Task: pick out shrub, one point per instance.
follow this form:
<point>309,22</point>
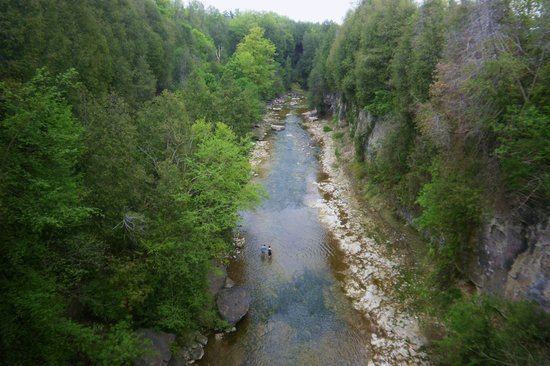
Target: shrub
<point>338,135</point>
<point>451,211</point>
<point>327,129</point>
<point>484,330</point>
<point>524,152</point>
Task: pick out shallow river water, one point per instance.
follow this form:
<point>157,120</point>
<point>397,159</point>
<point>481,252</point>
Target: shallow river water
<point>299,313</point>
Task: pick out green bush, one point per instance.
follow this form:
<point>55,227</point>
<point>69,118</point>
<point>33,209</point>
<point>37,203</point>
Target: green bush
<point>338,135</point>
<point>327,129</point>
<point>485,330</point>
<point>524,152</point>
<point>451,211</point>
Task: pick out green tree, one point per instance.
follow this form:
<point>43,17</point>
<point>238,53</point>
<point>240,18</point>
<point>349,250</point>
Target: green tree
<point>41,197</point>
<point>253,62</point>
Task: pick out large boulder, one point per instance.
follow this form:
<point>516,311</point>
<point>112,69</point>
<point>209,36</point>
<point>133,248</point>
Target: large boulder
<point>158,344</point>
<point>233,304</point>
<point>216,278</point>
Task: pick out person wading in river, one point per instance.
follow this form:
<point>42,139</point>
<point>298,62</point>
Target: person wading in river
<point>269,251</point>
<point>263,250</point>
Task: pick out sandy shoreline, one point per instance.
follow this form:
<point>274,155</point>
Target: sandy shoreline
<point>371,275</point>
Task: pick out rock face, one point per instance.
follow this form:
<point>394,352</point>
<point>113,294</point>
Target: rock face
<point>371,131</point>
<point>216,279</point>
<point>513,249</point>
<point>233,304</point>
<point>514,258</point>
<point>159,343</point>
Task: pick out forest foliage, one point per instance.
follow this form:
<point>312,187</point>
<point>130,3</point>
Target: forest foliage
<point>124,163</point>
<point>462,90</point>
<point>123,156</point>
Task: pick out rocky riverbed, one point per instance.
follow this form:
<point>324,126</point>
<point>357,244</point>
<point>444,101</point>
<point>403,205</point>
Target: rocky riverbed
<point>371,273</point>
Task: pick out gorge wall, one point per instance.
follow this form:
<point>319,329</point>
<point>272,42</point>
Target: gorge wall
<point>512,248</point>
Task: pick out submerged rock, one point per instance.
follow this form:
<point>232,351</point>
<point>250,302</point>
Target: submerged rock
<point>233,304</point>
<point>159,343</point>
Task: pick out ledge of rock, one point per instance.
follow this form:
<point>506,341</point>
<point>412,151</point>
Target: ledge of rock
<point>233,304</point>
<point>277,127</point>
<point>159,344</point>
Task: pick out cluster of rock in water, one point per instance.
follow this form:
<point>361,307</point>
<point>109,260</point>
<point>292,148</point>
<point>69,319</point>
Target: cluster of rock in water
<point>371,275</point>
<point>272,119</point>
<point>161,344</point>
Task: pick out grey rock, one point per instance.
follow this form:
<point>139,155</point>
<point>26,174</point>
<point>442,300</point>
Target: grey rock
<point>229,283</point>
<point>514,257</point>
<point>277,127</point>
<point>202,339</point>
<point>233,304</point>
<point>180,358</point>
<point>159,344</point>
<point>188,355</point>
<point>196,353</point>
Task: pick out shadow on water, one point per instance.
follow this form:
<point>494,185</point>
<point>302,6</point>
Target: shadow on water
<point>299,314</point>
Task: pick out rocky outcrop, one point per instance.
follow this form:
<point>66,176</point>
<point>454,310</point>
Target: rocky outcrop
<point>514,257</point>
<point>336,107</point>
<point>233,303</point>
<point>158,345</point>
<point>370,132</point>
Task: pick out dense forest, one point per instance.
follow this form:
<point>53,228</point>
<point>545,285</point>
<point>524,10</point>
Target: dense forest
<point>446,105</point>
<point>124,161</point>
<point>124,140</point>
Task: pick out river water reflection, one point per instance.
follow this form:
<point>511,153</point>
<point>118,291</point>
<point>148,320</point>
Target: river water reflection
<point>299,314</point>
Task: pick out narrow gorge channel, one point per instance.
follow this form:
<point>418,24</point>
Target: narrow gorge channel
<point>300,312</point>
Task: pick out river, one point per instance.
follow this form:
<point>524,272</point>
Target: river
<point>299,314</point>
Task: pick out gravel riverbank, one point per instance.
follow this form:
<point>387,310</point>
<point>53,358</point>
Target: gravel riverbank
<point>371,274</point>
